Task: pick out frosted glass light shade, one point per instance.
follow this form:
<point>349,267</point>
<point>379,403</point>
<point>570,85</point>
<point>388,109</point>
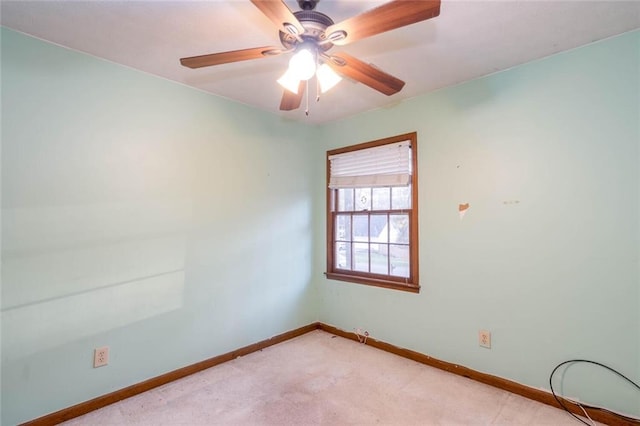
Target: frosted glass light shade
<point>289,81</point>
<point>302,65</point>
<point>327,78</point>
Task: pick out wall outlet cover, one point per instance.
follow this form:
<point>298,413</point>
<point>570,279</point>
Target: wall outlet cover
<point>101,357</point>
<point>484,339</point>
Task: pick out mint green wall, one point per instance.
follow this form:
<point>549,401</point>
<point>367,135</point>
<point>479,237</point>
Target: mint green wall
<point>553,277</point>
<point>165,223</point>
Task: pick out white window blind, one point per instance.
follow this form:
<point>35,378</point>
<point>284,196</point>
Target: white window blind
<point>384,165</point>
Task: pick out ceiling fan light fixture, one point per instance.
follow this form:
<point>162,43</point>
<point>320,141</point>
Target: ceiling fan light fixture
<point>289,81</point>
<point>303,64</point>
<point>327,78</point>
<point>310,34</point>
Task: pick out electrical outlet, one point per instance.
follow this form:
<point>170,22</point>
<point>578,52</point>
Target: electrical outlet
<point>484,339</point>
<point>101,356</point>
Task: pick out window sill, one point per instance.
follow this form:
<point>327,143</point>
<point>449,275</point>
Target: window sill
<point>372,282</point>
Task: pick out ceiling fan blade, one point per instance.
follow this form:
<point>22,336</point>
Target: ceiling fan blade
<point>231,56</point>
<point>389,16</point>
<point>364,73</point>
<point>281,15</point>
<point>290,100</point>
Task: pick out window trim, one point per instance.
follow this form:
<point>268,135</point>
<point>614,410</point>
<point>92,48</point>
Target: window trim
<point>412,283</point>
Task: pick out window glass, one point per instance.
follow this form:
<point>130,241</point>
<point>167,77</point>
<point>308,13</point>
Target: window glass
<point>345,199</point>
<point>399,229</point>
<point>381,198</point>
<point>401,197</point>
<point>363,199</point>
<point>399,256</point>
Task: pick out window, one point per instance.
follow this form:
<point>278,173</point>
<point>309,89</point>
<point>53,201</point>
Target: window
<point>372,213</point>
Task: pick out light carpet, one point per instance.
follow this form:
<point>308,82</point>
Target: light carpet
<point>321,379</point>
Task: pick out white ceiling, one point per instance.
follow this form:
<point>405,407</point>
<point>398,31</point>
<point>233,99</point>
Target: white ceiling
<point>468,40</point>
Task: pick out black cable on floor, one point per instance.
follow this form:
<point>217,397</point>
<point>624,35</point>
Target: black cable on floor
<point>585,405</point>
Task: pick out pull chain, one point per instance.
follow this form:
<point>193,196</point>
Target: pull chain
<point>306,111</point>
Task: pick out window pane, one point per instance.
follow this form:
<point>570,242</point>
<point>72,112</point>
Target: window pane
<point>381,198</point>
<point>361,257</point>
<point>360,228</point>
<point>363,199</point>
<point>378,229</point>
<point>399,260</point>
<point>399,232</point>
<point>379,258</point>
<point>343,256</point>
<point>401,197</point>
<point>345,200</point>
<point>343,227</point>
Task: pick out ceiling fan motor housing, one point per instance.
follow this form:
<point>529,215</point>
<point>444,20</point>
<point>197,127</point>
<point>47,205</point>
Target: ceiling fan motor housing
<point>315,23</point>
<point>307,4</point>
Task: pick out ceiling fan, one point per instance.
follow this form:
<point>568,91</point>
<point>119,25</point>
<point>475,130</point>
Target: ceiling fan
<point>310,34</point>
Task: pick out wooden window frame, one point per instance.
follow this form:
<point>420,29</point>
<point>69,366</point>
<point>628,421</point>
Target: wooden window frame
<point>410,284</point>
